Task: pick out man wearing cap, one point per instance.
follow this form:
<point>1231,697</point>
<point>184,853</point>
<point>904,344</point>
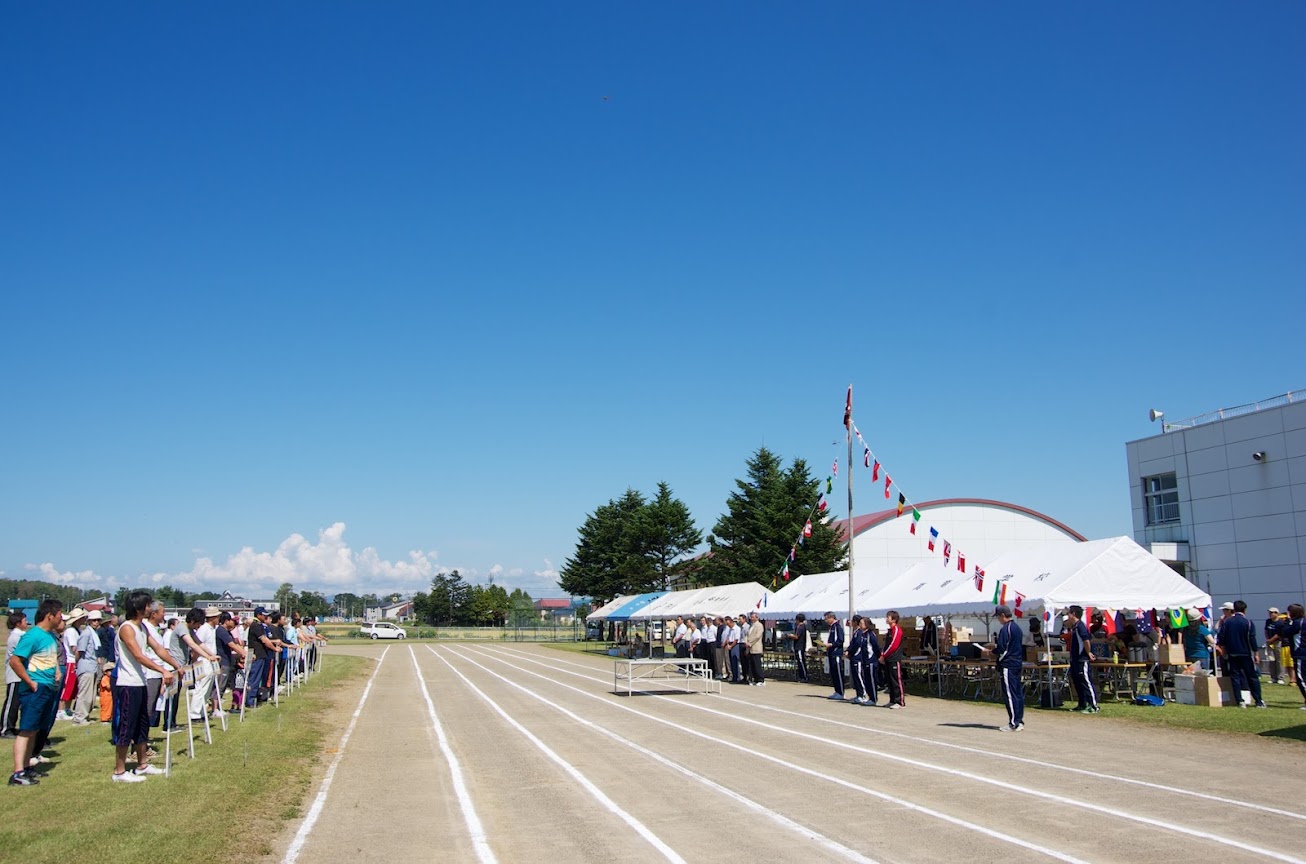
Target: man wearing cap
<point>1237,645</point>
<point>1009,652</point>
<point>88,645</point>
<point>1080,657</point>
<point>261,643</point>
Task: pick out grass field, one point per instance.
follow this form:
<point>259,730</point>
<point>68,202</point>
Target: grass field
<point>1282,719</point>
<point>235,795</point>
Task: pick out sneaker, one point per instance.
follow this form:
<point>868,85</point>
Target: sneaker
<point>1302,708</point>
<point>894,706</point>
<point>81,721</point>
<point>147,770</point>
<point>38,759</point>
<point>1006,728</point>
<point>835,696</point>
<point>128,777</point>
<point>1017,727</point>
<point>1093,711</point>
<point>218,712</point>
<point>21,779</point>
<point>1261,705</point>
<point>761,683</point>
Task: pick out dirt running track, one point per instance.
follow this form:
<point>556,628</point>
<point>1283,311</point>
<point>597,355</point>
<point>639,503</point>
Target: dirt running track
<point>524,754</point>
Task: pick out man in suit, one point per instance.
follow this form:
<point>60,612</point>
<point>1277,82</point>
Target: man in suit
<point>834,654</point>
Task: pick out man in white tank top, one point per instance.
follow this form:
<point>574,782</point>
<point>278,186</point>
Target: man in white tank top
<point>130,696</point>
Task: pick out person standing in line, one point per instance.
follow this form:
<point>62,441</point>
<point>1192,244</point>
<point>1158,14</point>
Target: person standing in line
<point>834,645</point>
<point>1271,650</point>
<point>69,639</point>
<point>695,639</point>
<point>801,641</point>
<point>856,654</point>
<point>1237,645</point>
<point>891,661</point>
<point>88,643</point>
<point>735,642</point>
<point>708,629</point>
<point>745,669</point>
<point>756,633</point>
<point>37,661</point>
<point>1009,652</point>
<point>108,634</point>
<point>719,650</point>
<point>930,637</point>
<point>871,667</point>
<point>203,661</point>
<point>1080,657</point>
<point>17,623</point>
<point>679,639</point>
<point>1292,635</point>
<point>132,704</point>
<point>230,653</point>
<point>207,635</point>
<point>256,673</point>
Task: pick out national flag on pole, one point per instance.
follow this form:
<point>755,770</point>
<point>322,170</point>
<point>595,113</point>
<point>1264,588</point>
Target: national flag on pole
<point>961,562</point>
<point>807,529</point>
<point>834,469</point>
<point>848,410</point>
<point>1020,613</point>
<point>997,591</point>
<point>902,502</point>
<point>866,458</point>
<point>875,470</point>
<point>934,535</point>
<point>887,483</point>
<point>947,552</point>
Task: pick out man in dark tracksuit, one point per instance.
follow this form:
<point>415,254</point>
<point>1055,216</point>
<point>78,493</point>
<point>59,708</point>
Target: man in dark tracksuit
<point>873,671</point>
<point>1080,656</point>
<point>1009,651</point>
<point>800,646</point>
<point>834,654</point>
<point>1292,633</point>
<point>1237,645</point>
<point>857,657</point>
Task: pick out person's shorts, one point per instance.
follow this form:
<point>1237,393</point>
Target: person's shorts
<point>69,683</point>
<point>131,708</point>
<point>36,708</point>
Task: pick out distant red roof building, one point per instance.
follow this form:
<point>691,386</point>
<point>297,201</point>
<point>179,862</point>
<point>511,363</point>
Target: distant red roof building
<point>552,605</point>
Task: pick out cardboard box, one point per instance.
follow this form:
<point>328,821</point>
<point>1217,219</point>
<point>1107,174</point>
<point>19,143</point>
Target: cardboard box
<point>1170,655</point>
<point>1212,692</point>
<point>1031,654</point>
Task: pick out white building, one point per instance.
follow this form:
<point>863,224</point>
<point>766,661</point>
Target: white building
<point>1222,499</point>
<point>979,528</point>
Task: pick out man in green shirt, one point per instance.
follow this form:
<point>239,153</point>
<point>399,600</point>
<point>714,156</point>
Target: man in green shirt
<point>38,662</point>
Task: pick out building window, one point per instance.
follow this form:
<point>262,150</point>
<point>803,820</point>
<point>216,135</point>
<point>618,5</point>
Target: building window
<point>1161,498</point>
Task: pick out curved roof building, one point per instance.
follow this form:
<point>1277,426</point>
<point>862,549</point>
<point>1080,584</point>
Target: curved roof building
<point>979,528</point>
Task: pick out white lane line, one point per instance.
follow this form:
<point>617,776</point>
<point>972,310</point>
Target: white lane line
<point>1189,793</point>
<point>792,766</point>
<point>989,781</point>
<point>761,809</point>
<point>297,844</point>
<point>473,822</point>
<point>666,851</point>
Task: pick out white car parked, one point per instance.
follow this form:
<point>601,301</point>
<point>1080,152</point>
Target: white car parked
<point>383,630</point>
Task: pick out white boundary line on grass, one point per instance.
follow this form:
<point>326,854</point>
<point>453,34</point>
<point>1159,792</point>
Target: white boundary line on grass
<point>640,828</point>
<point>297,845</point>
<point>775,760</point>
<point>956,772</point>
<point>1189,793</point>
<point>785,822</point>
<point>473,822</point>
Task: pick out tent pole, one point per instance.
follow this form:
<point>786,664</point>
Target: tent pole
<point>851,512</point>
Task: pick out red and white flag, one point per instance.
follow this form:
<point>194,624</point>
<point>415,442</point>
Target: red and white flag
<point>887,483</point>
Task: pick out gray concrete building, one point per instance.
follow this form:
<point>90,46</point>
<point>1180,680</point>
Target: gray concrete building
<point>1221,497</point>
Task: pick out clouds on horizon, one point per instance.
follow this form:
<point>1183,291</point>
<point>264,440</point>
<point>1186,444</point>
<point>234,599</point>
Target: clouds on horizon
<point>328,565</point>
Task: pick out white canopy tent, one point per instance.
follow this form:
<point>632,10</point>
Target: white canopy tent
<point>1115,573</point>
<point>800,595</point>
<point>833,596</point>
<point>713,600</point>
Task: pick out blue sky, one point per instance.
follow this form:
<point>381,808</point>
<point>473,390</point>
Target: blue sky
<point>342,294</point>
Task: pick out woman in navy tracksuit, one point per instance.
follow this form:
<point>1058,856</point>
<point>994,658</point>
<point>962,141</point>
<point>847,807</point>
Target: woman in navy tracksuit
<point>872,661</point>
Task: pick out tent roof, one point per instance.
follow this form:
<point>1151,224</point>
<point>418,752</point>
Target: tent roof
<point>712,600</point>
<point>634,605</point>
<point>832,596</point>
<point>1115,573</point>
<point>801,594</point>
<point>611,606</point>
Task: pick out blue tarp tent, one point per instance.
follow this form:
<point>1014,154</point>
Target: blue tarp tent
<point>632,606</point>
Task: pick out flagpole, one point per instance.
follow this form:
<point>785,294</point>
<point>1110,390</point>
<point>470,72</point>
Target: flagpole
<point>851,515</point>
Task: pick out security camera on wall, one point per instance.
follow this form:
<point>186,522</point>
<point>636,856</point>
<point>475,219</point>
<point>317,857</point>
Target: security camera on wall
<point>1259,455</point>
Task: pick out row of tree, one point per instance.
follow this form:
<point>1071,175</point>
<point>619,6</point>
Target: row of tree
<point>630,545</point>
<point>452,601</point>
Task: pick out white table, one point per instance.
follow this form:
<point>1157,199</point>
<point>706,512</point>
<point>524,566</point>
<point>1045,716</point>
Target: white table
<point>681,672</point>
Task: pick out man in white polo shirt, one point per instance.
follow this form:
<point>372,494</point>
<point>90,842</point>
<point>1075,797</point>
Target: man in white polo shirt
<point>680,640</point>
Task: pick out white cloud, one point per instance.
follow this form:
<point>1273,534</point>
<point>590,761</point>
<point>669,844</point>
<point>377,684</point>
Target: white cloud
<point>327,564</point>
<point>47,572</point>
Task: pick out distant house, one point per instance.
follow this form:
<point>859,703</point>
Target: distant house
<point>237,606</point>
<point>559,609</point>
<point>104,604</point>
<point>401,611</point>
<point>372,614</point>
